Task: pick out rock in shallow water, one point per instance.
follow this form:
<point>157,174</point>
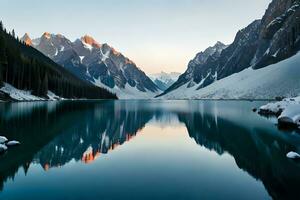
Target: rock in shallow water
<point>293,155</point>
<point>291,115</point>
<point>3,139</point>
<point>3,148</point>
<point>13,143</point>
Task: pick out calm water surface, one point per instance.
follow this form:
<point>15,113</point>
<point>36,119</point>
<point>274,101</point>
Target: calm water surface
<point>145,150</point>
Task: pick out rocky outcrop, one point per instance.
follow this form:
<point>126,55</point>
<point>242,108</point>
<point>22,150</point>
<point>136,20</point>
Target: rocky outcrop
<point>279,33</point>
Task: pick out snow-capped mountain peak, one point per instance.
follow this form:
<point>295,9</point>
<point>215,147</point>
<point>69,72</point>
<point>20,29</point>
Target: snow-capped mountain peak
<point>215,50</point>
<point>26,39</point>
<point>99,64</point>
<point>164,80</point>
<point>263,42</point>
<point>89,40</point>
<point>46,35</point>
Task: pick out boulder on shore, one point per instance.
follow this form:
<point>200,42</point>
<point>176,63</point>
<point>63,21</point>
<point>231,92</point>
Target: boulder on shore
<point>13,143</point>
<point>3,148</point>
<point>293,155</point>
<point>3,139</point>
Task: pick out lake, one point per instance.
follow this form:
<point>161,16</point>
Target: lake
<point>145,150</point>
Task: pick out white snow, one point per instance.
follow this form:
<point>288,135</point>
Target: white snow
<point>53,96</point>
<point>104,56</point>
<point>267,52</point>
<point>3,148</point>
<point>3,139</point>
<point>277,80</point>
<point>289,110</point>
<point>276,53</point>
<point>13,143</point>
<point>81,58</point>
<point>56,52</point>
<point>292,155</point>
<point>22,95</point>
<point>19,95</point>
<point>128,92</point>
<point>62,48</point>
<point>165,77</point>
<point>291,115</point>
<point>276,107</point>
<point>87,46</point>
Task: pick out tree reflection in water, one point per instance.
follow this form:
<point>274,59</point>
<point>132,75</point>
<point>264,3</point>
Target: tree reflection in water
<point>55,133</point>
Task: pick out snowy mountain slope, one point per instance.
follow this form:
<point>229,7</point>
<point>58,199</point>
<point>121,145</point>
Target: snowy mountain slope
<point>97,63</point>
<point>277,80</point>
<point>195,72</point>
<point>164,80</point>
<point>267,41</point>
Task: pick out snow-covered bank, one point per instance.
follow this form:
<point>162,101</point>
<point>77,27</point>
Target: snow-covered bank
<point>288,111</point>
<point>276,108</point>
<point>277,80</point>
<point>21,95</point>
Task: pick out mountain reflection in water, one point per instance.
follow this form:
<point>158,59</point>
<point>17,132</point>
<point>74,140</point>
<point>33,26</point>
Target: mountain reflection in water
<point>54,134</point>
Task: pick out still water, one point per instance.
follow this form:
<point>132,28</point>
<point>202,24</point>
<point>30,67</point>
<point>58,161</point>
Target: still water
<point>145,150</point>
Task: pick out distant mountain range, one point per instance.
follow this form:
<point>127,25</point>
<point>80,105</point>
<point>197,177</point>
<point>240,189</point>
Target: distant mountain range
<point>264,42</point>
<point>99,64</point>
<point>164,80</point>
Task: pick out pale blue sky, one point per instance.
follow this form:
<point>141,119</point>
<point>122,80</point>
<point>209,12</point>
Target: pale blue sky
<point>156,34</point>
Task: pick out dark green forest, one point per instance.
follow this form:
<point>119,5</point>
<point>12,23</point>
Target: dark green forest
<point>27,69</point>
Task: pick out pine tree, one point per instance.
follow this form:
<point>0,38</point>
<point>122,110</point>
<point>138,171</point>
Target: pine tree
<point>3,57</point>
<point>44,86</point>
<point>13,33</point>
<point>24,68</point>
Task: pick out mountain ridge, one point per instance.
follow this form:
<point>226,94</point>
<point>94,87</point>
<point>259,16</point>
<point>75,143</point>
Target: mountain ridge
<point>100,64</point>
<point>25,69</point>
<point>164,80</point>
<point>264,42</point>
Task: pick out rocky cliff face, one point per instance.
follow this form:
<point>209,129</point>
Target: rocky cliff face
<point>98,63</point>
<point>279,33</point>
<point>263,42</point>
<point>193,75</point>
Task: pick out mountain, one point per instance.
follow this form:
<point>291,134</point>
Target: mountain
<point>276,80</point>
<point>100,64</point>
<point>195,72</point>
<point>264,42</point>
<point>26,74</point>
<point>27,40</point>
<point>164,80</point>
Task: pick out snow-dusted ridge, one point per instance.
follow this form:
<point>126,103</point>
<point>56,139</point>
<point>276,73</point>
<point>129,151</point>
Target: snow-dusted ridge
<point>277,80</point>
<point>99,64</point>
<point>164,80</point>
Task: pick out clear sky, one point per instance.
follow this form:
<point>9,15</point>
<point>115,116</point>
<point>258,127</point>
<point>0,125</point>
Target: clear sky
<point>156,34</point>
